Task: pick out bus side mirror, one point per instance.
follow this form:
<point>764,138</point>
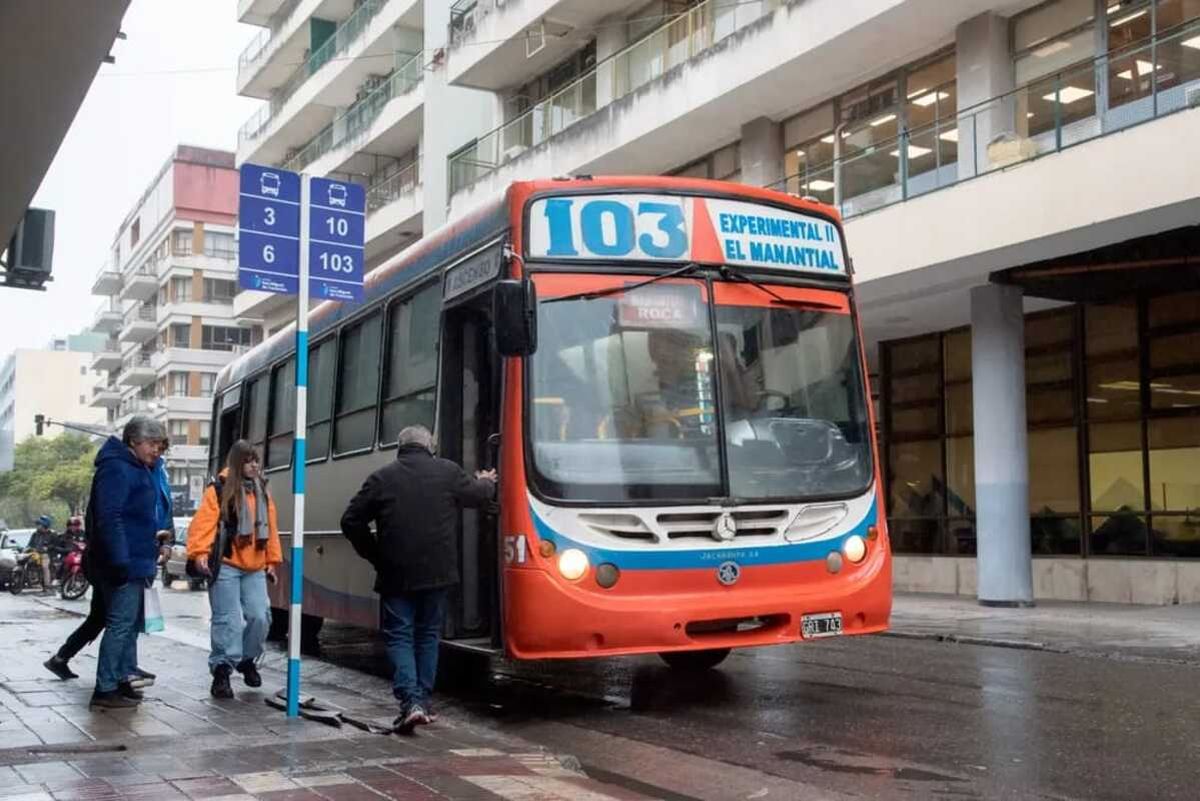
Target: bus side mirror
<point>514,310</point>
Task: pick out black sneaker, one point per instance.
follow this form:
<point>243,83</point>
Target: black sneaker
<point>112,700</point>
<point>220,683</point>
<point>409,719</point>
<point>59,667</point>
<point>127,690</point>
<point>250,673</point>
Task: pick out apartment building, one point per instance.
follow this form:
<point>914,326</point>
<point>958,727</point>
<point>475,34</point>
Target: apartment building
<point>167,317</point>
<point>1018,183</point>
<point>55,381</point>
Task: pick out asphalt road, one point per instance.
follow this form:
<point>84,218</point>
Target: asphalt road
<point>878,717</point>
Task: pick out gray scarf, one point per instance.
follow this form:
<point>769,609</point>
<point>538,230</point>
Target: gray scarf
<point>256,527</point>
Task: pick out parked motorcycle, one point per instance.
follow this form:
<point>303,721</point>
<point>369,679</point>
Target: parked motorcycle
<point>73,583</point>
<point>27,573</point>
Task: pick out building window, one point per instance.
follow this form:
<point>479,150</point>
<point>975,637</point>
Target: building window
<point>207,382</point>
<point>220,245</point>
<point>181,335</point>
<point>205,432</point>
<point>181,290</point>
<point>135,233</point>
<point>218,290</point>
<point>216,337</point>
<point>412,355</point>
<point>178,431</point>
<point>181,243</point>
<point>720,165</point>
<point>283,415</point>
<point>358,386</point>
<point>177,384</point>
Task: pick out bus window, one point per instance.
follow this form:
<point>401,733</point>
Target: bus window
<point>320,399</point>
<point>358,386</point>
<point>408,394</point>
<point>283,415</point>
<point>256,411</point>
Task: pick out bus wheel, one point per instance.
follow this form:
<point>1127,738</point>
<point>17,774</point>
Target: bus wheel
<point>695,660</point>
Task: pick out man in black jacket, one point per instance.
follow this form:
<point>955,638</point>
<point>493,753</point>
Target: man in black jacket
<point>414,504</point>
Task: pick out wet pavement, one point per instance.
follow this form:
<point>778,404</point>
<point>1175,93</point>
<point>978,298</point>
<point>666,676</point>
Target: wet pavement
<point>928,714</point>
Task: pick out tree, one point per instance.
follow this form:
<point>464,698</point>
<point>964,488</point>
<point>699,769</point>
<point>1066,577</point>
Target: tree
<point>49,476</point>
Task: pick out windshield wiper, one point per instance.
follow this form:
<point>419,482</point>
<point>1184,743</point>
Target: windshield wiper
<point>729,275</point>
<point>686,269</point>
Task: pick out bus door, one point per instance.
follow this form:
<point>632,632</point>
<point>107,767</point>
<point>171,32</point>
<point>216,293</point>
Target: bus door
<point>467,418</point>
<point>227,427</point>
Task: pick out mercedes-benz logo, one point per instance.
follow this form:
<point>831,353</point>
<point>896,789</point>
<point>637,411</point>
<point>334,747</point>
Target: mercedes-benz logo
<point>725,529</point>
<point>728,573</point>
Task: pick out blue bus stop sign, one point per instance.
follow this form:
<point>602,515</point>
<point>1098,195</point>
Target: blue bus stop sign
<point>269,229</point>
<point>336,233</point>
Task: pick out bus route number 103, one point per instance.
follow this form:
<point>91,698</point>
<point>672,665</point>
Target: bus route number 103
<point>336,262</point>
<point>613,229</point>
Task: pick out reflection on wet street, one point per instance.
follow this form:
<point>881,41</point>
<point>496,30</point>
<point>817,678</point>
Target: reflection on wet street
<point>872,717</point>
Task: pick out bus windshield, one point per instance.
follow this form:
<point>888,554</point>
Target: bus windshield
<point>624,401</point>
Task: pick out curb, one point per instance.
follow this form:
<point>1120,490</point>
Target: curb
<point>967,639</point>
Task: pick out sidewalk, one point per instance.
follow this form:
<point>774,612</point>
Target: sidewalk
<point>182,744</point>
<point>1122,631</point>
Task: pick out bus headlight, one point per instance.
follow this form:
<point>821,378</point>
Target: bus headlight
<point>855,548</point>
<point>572,564</point>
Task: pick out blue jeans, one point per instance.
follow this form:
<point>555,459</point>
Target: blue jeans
<point>122,624</point>
<point>241,616</point>
<point>412,626</point>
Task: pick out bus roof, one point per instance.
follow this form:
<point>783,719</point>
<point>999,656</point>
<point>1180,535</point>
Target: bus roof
<point>475,230</point>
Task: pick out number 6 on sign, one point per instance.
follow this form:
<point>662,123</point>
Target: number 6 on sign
<point>269,254</point>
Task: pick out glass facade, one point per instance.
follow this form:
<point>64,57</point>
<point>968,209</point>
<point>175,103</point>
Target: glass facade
<point>1113,409</point>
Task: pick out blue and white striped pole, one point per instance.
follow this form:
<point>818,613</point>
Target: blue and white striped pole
<point>298,459</point>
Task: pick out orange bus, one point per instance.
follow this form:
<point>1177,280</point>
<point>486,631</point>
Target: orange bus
<point>668,374</point>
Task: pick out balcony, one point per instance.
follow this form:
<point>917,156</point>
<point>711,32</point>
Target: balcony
<point>176,406</point>
<point>140,284</point>
<point>108,357</point>
<point>107,282</point>
<point>373,123</point>
<point>184,359</point>
<point>137,371</point>
<point>363,45</point>
<point>394,207</point>
<point>257,12</point>
<point>109,318</point>
<point>495,44</point>
<point>674,44</point>
<point>106,396</point>
<point>141,324</point>
<point>283,41</point>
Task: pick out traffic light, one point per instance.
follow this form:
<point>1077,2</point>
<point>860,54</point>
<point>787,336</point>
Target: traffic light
<point>39,422</point>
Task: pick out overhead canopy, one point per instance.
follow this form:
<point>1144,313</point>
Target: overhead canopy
<point>1166,262</point>
<point>49,54</point>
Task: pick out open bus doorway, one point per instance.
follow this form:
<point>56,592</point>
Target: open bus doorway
<point>468,416</point>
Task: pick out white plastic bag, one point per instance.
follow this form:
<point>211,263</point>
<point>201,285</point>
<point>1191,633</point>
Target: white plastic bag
<point>152,611</point>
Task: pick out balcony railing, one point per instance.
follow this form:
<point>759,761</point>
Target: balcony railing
<point>403,182</point>
<point>183,247</point>
<point>1051,114</point>
<point>138,360</point>
<point>346,34</point>
<point>268,40</point>
<point>352,124</point>
<point>682,38</point>
<point>145,314</point>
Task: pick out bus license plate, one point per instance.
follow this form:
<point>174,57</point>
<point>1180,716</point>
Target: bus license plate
<point>825,624</point>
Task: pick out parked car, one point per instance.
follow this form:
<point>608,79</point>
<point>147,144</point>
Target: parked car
<point>175,567</point>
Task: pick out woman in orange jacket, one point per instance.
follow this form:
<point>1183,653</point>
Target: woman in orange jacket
<point>234,539</point>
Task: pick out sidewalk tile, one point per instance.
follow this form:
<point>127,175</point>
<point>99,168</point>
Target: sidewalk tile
<point>263,782</point>
<point>210,787</point>
<point>36,795</point>
<point>322,779</point>
<point>41,772</point>
<point>352,792</point>
<point>297,794</point>
<point>9,777</point>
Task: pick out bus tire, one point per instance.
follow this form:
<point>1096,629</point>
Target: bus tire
<point>694,660</point>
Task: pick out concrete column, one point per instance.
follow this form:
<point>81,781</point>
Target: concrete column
<point>453,117</point>
<point>611,38</point>
<point>984,69</point>
<point>1001,446</point>
<point>761,152</point>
